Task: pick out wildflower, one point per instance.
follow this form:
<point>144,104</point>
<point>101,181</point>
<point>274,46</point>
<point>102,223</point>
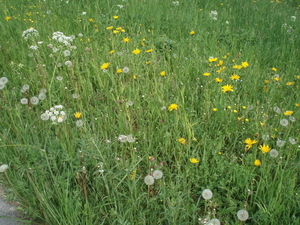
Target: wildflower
<point>214,222</point>
<point>105,66</point>
<point>45,116</point>
<point>3,168</point>
<point>257,162</point>
<point>273,153</point>
<point>109,28</point>
<point>192,32</point>
<point>79,123</point>
<point>181,140</point>
<point>245,64</point>
<point>77,115</point>
<point>126,40</point>
<point>115,17</point>
<point>274,69</point>
<point>157,174</point>
<point>264,148</point>
<point>112,51</point>
<point>206,74</point>
<point>242,215</point>
<point>130,103</point>
<point>122,138</point>
<point>136,51</point>
<point>219,80</point>
<point>125,69</point>
<point>119,71</point>
<point>130,138</point>
<point>207,194</point>
<point>292,119</point>
<point>149,180</point>
<point>212,59</point>
<point>8,18</point>
<point>237,67</point>
<point>3,80</point>
<point>194,160</point>
<point>277,78</point>
<point>42,96</point>
<point>290,83</point>
<point>288,112</point>
<point>173,107</point>
<point>227,88</point>
<point>280,143</point>
<point>68,63</point>
<point>249,142</point>
<point>2,86</point>
<point>59,78</point>
<point>277,109</point>
<point>163,73</point>
<point>132,176</point>
<point>66,53</point>
<point>24,101</point>
<point>34,100</point>
<point>284,122</point>
<point>292,140</point>
<point>215,109</point>
<point>235,77</point>
<point>91,20</point>
<point>150,50</point>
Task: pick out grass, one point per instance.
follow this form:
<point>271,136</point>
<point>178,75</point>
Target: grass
<point>136,68</point>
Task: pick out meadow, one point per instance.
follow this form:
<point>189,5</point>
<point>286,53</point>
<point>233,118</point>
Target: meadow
<point>151,112</point>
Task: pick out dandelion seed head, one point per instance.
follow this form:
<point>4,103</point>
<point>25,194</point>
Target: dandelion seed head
<point>284,122</point>
<point>79,123</point>
<point>34,100</point>
<point>280,143</point>
<point>149,180</point>
<point>3,168</point>
<point>207,194</point>
<point>24,101</point>
<point>157,174</point>
<point>242,215</point>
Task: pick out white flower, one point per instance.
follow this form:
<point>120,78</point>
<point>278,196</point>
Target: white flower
<point>83,13</point>
<point>130,103</point>
<point>273,153</point>
<point>41,96</point>
<point>54,49</point>
<point>26,87</point>
<point>149,180</point>
<point>176,3</point>
<point>3,168</point>
<point>280,143</point>
<point>122,138</point>
<point>3,80</point>
<point>157,174</point>
<point>130,138</point>
<point>277,109</point>
<point>34,100</point>
<point>24,101</point>
<point>214,222</point>
<point>45,116</point>
<point>2,86</point>
<point>53,118</point>
<point>292,140</point>
<point>31,32</point>
<point>34,47</point>
<point>60,119</point>
<point>265,137</point>
<point>120,6</point>
<point>68,63</point>
<point>43,90</point>
<point>80,35</point>
<point>74,95</point>
<point>292,119</point>
<point>125,69</point>
<point>79,123</point>
<point>293,18</point>
<point>59,78</point>
<point>207,194</point>
<point>242,215</point>
<point>66,53</point>
<point>58,107</point>
<point>284,122</point>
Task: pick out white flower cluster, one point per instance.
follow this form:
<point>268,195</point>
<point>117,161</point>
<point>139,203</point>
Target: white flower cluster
<point>55,114</point>
<point>126,138</point>
<point>33,100</point>
<point>31,32</point>
<point>214,15</point>
<point>3,81</point>
<point>149,179</point>
<point>176,3</point>
<point>61,38</point>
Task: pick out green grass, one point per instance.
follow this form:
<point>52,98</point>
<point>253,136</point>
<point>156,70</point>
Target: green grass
<point>67,174</point>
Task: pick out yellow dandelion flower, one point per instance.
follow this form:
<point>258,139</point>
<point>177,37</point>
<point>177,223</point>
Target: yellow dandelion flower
<point>212,59</point>
<point>227,88</point>
<point>194,160</point>
<point>274,69</point>
<point>112,51</point>
<point>245,64</point>
<point>277,78</point>
<point>215,109</point>
<point>105,66</point>
<point>77,115</point>
<point>119,71</point>
<point>8,18</point>
<point>136,51</point>
<point>297,104</point>
<point>163,73</point>
<point>116,31</point>
<point>173,107</point>
<point>192,32</point>
<point>290,83</point>
<point>237,67</point>
<point>257,162</point>
<point>288,112</point>
<point>264,148</point>
<point>249,143</point>
<point>150,50</point>
<point>206,74</point>
<point>126,40</point>
<point>134,77</point>
<point>109,28</point>
<point>91,20</point>
<point>181,140</point>
<point>219,80</point>
<point>115,17</point>
<point>235,77</point>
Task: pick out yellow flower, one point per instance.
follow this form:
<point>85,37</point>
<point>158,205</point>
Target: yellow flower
<point>297,104</point>
<point>172,107</point>
<point>181,140</point>
<point>219,80</point>
<point>288,112</point>
<point>249,142</point>
<point>245,64</point>
<point>235,77</point>
<point>132,176</point>
<point>192,32</point>
<point>136,51</point>
<point>77,115</point>
<point>7,18</point>
<point>115,17</point>
<point>274,69</point>
<point>194,160</point>
<point>267,81</point>
<point>257,162</point>
<point>237,67</point>
<point>112,51</point>
<point>134,77</point>
<point>105,66</point>
<point>247,120</point>
<point>277,78</point>
<point>212,59</point>
<point>126,40</point>
<point>91,20</point>
<point>163,73</point>
<point>290,83</point>
<point>215,109</point>
<point>221,62</point>
<point>109,28</point>
<point>119,71</point>
<point>206,74</point>
<point>264,148</point>
<point>227,88</point>
<point>116,31</point>
<point>150,50</point>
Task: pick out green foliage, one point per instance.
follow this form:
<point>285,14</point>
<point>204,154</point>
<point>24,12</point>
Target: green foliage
<point>77,170</point>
